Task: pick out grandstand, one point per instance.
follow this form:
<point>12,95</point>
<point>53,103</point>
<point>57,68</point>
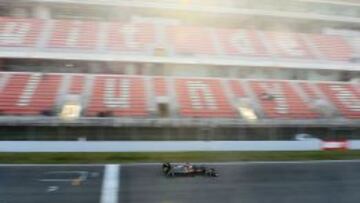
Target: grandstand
<point>179,69</point>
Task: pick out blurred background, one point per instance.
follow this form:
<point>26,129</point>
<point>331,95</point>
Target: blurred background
<point>179,69</point>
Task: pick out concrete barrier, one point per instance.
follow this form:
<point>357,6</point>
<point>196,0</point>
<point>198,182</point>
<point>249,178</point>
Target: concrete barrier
<point>157,146</point>
<point>354,144</point>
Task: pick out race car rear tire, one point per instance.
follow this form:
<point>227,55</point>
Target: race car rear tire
<point>211,172</point>
<point>170,174</point>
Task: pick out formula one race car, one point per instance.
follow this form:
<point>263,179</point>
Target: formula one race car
<point>187,169</point>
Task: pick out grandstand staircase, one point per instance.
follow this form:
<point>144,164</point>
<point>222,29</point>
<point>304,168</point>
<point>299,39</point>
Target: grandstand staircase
<point>46,34</point>
<point>216,42</point>
<point>150,97</point>
<point>73,89</point>
<point>64,86</point>
<point>4,77</point>
<point>160,100</point>
<point>229,96</point>
<point>160,47</point>
<point>174,105</point>
<point>253,97</point>
<point>167,93</point>
<point>102,37</point>
<point>87,92</point>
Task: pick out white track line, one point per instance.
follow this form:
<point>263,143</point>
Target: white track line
<point>110,185</point>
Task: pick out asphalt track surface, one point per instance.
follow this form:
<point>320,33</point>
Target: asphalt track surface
<point>294,182</point>
<point>50,184</point>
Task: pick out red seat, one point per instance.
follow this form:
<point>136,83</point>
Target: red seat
<point>131,38</point>
<point>288,45</point>
<point>236,88</point>
<point>202,98</point>
<point>74,34</point>
<point>148,38</point>
<point>344,96</point>
<point>77,84</point>
<point>332,47</point>
<point>279,100</point>
<point>42,97</point>
<point>120,95</point>
<point>188,40</point>
<point>240,42</point>
<point>18,32</point>
<point>125,96</point>
<point>160,86</point>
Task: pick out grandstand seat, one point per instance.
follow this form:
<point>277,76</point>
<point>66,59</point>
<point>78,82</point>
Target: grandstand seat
<point>29,94</point>
<point>131,38</point>
<point>344,96</point>
<point>308,90</point>
<point>17,32</point>
<point>332,47</point>
<point>147,38</point>
<point>114,95</point>
<point>74,34</point>
<point>120,95</point>
<point>77,83</point>
<point>160,86</point>
<point>202,98</point>
<point>188,40</point>
<point>240,42</point>
<point>236,88</point>
<point>288,45</point>
<point>279,100</point>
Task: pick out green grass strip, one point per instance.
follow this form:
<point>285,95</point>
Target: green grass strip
<point>87,158</point>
